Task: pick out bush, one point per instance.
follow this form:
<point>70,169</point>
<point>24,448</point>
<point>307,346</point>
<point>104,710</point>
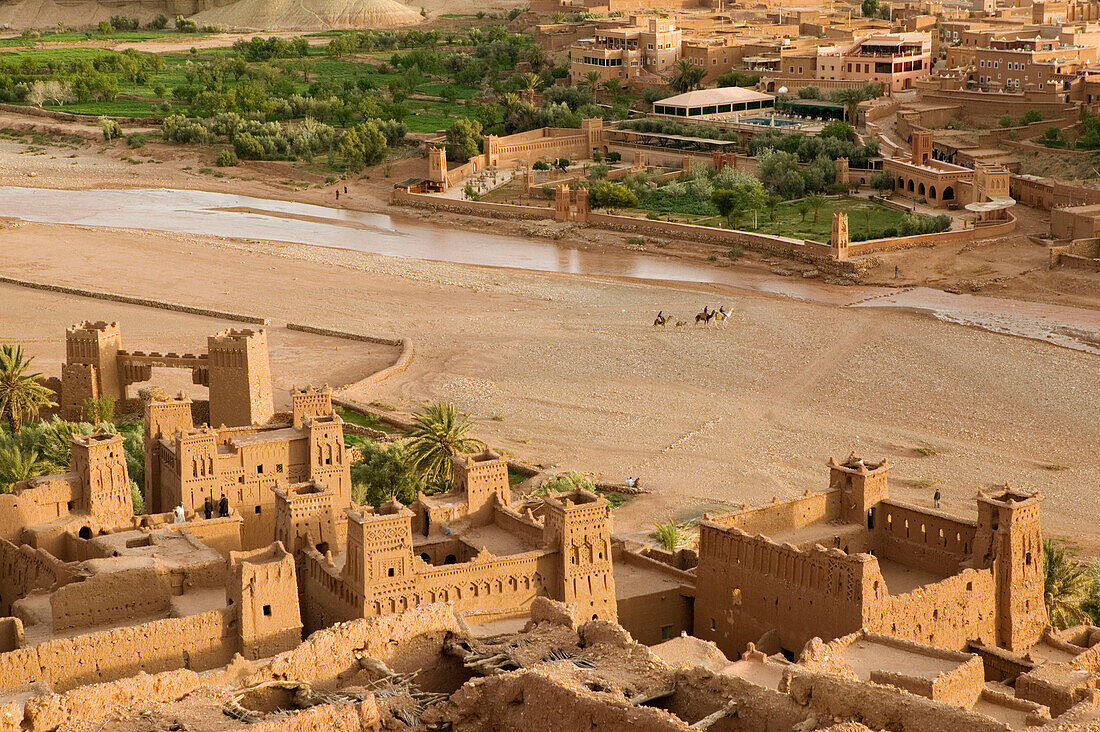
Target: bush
<point>614,157</point>
<point>247,146</point>
<point>611,195</point>
<point>136,140</point>
<point>158,23</point>
<point>227,158</point>
<point>540,165</point>
<point>177,128</point>
<point>913,224</point>
<point>110,127</point>
<point>1031,116</point>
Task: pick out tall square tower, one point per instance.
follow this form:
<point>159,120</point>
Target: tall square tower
<point>239,378</point>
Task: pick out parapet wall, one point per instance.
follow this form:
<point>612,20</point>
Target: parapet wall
<point>198,642</point>
<point>947,614</point>
<point>110,597</point>
<point>529,531</point>
<point>921,538</point>
<point>24,569</point>
<point>814,508</point>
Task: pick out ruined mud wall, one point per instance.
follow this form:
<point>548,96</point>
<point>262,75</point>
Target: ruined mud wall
<point>946,614</point>
<point>881,707</point>
<point>922,539</point>
<point>140,592</point>
<point>660,612</point>
<point>523,700</point>
<point>749,585</point>
<point>406,642</point>
<point>23,569</point>
<point>784,516</point>
<point>699,693</point>
<point>199,642</point>
<point>528,530</point>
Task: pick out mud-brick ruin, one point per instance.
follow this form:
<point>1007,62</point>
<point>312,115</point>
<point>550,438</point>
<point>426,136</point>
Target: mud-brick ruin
<point>486,609</point>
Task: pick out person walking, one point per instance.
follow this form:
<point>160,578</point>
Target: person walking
<point>936,499</point>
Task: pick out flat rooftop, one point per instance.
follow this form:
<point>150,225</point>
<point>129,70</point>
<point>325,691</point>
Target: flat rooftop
<point>494,539</point>
<point>632,580</point>
<point>867,655</point>
<point>901,579</point>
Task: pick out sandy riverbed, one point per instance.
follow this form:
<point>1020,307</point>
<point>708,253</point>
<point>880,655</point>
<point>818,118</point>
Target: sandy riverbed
<point>568,371</point>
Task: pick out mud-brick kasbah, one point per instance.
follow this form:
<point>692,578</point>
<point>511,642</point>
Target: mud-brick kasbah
<point>296,608</point>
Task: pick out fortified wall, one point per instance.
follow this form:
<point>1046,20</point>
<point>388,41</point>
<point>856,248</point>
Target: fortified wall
<point>850,559</point>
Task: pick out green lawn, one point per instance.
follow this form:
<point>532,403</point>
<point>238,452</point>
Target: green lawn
<point>115,108</point>
<point>364,420</point>
<point>863,216</point>
<point>435,89</point>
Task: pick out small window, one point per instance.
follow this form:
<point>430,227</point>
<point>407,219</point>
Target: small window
<point>666,632</point>
<point>267,610</point>
<point>713,625</point>
<point>259,469</point>
<point>278,467</point>
<point>390,571</point>
<point>257,509</point>
<point>240,479</point>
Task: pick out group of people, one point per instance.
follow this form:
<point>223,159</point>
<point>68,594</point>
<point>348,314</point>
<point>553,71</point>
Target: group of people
<point>704,317</point>
<point>180,515</point>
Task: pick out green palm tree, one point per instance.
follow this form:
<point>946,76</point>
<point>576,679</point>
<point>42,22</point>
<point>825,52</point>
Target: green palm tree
<point>440,433</point>
<point>1068,585</point>
<point>851,99</point>
<point>17,463</point>
<point>688,76</point>
<point>590,81</point>
<point>21,396</point>
<point>816,201</point>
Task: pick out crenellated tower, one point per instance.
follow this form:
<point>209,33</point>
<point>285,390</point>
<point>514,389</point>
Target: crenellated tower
<point>379,548</point>
<point>164,417</point>
<point>91,366</point>
<point>100,461</point>
<point>239,374</point>
<point>578,524</point>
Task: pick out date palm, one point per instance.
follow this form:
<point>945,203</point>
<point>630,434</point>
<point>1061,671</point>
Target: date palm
<point>439,434</point>
<point>1067,585</point>
<point>688,76</point>
<point>21,396</point>
<point>590,81</point>
<point>816,201</point>
<point>17,463</point>
<point>851,99</point>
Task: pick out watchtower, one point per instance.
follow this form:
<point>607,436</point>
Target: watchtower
<point>437,166</point>
<point>922,146</point>
<point>1009,537</point>
<point>842,172</point>
<point>240,378</point>
<point>862,486</point>
<point>91,366</point>
<point>262,588</point>
<point>483,477</point>
<point>305,511</point>
<point>163,418</point>
<point>310,402</point>
<point>379,548</point>
<point>592,129</point>
<point>194,477</point>
<point>578,524</point>
<point>100,461</point>
<point>583,206</point>
<point>561,203</point>
<point>328,461</point>
<point>840,236</point>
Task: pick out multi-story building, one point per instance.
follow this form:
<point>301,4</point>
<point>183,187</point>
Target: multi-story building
<point>649,46</point>
<point>189,465</point>
<point>1029,64</point>
<point>895,60</point>
<point>469,547</point>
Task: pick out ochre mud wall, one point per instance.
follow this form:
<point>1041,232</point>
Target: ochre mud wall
<point>947,614</point>
<point>198,642</point>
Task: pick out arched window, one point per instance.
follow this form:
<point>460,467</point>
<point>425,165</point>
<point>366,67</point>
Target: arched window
<point>910,186</point>
<point>949,194</point>
<point>931,191</point>
<point>920,189</point>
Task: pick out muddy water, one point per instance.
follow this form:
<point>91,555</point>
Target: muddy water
<point>220,214</point>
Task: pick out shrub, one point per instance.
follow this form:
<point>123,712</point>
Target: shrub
<point>1031,116</point>
<point>227,158</point>
<point>136,140</point>
<point>110,127</point>
<point>540,165</point>
<point>177,128</point>
<point>614,157</point>
<point>247,146</point>
<point>158,23</point>
<point>607,195</point>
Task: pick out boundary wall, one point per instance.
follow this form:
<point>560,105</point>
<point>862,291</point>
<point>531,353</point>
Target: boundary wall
<point>24,569</point>
<point>199,642</point>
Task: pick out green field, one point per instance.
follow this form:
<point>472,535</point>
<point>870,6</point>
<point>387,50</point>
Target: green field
<point>863,217</point>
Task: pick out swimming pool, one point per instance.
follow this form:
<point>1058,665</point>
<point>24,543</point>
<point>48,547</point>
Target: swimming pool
<point>768,121</point>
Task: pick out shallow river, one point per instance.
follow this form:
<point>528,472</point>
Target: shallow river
<point>221,214</point>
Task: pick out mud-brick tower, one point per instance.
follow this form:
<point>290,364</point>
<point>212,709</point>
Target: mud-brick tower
<point>1009,538</point>
<point>163,419</point>
<point>310,402</point>
<point>922,147</point>
<point>862,486</point>
<point>100,461</point>
<point>578,524</point>
<point>194,477</point>
<point>379,553</point>
<point>483,477</point>
<point>239,378</point>
<point>91,366</point>
<point>261,587</point>
<point>840,236</point>
<point>437,166</point>
<point>328,458</point>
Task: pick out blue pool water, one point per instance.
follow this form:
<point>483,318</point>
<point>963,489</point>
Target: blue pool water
<point>768,121</point>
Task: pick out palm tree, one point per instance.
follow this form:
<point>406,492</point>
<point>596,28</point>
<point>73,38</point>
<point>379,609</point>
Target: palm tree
<point>1068,585</point>
<point>21,396</point>
<point>440,433</point>
<point>17,463</point>
<point>613,88</point>
<point>816,201</point>
<point>529,82</point>
<point>590,81</point>
<point>851,99</point>
<point>688,76</point>
<point>669,535</point>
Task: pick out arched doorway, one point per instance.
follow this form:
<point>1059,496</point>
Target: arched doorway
<point>931,191</point>
<point>949,194</point>
<point>920,189</point>
<point>910,186</point>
